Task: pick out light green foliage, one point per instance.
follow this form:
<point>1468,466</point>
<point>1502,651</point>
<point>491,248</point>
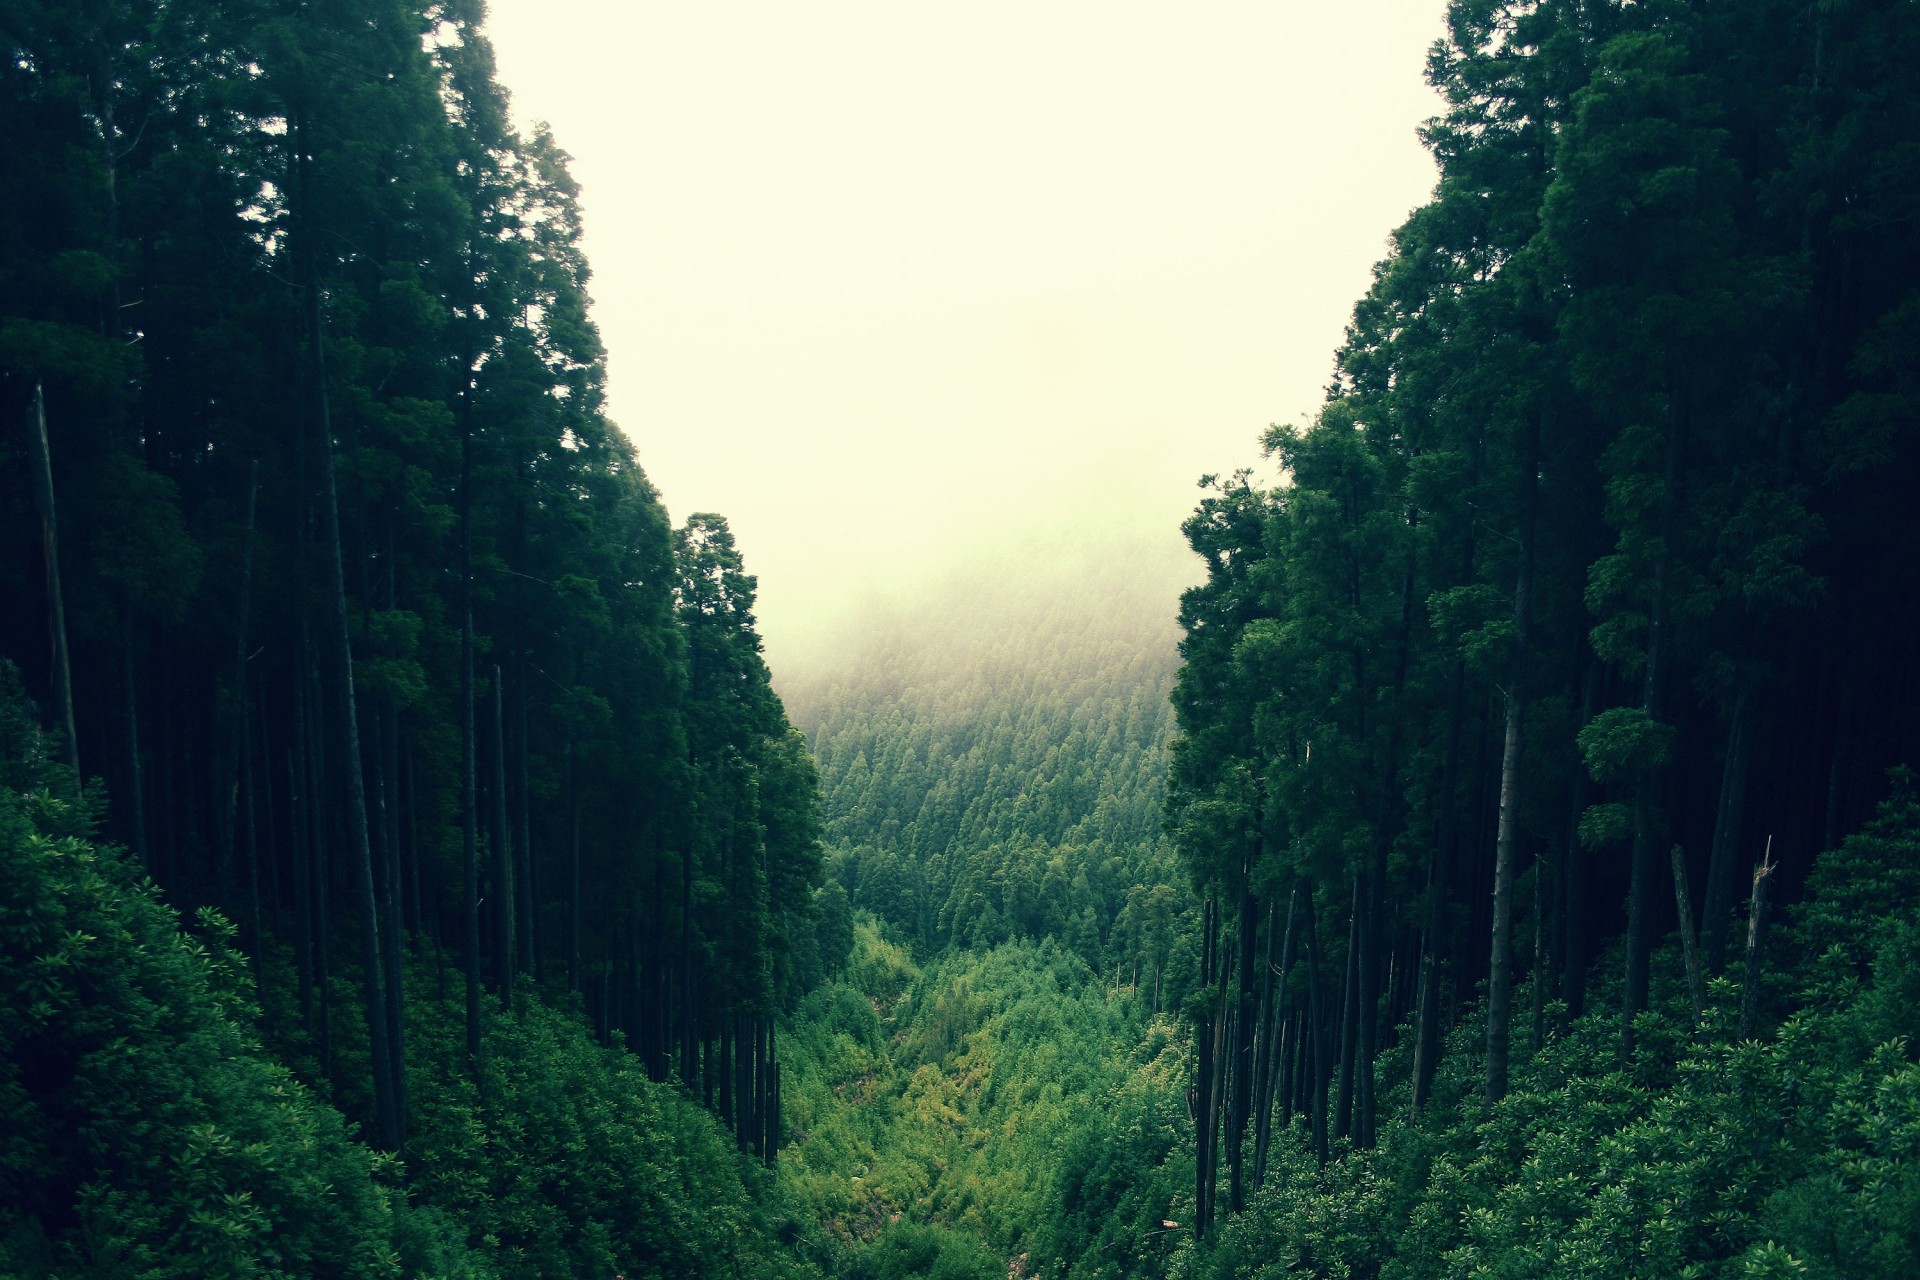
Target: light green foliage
<point>996,1106</point>
<point>992,763</point>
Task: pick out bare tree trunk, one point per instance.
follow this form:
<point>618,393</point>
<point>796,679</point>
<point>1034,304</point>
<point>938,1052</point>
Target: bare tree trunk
<point>1275,1020</point>
<point>527,898</point>
<point>1756,919</point>
<point>1500,962</point>
<point>1696,984</point>
<point>229,791</point>
<point>469,766</point>
<point>1203,1079</point>
<point>573,888</point>
<point>1240,1102</point>
<point>1640,894</point>
<point>1718,905</point>
<point>390,1125</point>
<point>502,886</point>
<point>136,772</point>
<point>41,465</point>
<point>1316,1023</point>
<point>1349,1019</point>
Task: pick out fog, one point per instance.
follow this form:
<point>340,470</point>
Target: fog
<point>909,291</point>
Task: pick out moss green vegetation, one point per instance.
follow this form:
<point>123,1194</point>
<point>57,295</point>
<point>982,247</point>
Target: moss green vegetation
<point>151,1130</point>
<point>1006,1107</point>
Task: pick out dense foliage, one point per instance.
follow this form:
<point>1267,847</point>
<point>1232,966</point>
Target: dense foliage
<point>992,755</point>
<point>1006,1106</point>
<point>1703,1155</point>
<point>150,1130</point>
<point>354,621</point>
<point>1581,615</point>
<point>366,616</point>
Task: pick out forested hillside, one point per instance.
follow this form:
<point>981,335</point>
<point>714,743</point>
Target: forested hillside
<point>992,754</point>
<point>352,620</point>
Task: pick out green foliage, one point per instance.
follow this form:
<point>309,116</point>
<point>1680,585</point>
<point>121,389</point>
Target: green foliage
<point>1798,1154</point>
<point>995,1107</point>
<point>148,1131</point>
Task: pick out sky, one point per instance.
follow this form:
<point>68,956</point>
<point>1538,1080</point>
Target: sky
<point>904,290</point>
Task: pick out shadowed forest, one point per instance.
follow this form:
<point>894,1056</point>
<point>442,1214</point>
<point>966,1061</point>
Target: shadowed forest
<point>1490,848</point>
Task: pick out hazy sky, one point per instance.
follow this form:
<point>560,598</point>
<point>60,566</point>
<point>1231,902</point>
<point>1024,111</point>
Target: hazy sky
<point>893,285</point>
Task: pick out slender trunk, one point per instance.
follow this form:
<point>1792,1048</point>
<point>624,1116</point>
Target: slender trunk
<point>689,1023</point>
<point>1756,920</point>
<point>300,828</point>
<point>1573,983</point>
<point>1222,1054</point>
<point>1726,831</point>
<point>1640,893</point>
<point>573,884</point>
<point>1240,1101</point>
<point>1696,983</point>
<point>1316,1023</point>
<point>136,780</point>
<point>1349,1018</point>
<point>469,742</point>
<point>256,939</point>
<point>1542,971</point>
<point>1276,1000</point>
<point>1500,957</point>
<point>772,1096</point>
<point>41,464</point>
<point>1426,1030</point>
<point>271,862</point>
<point>1203,1078</point>
<point>229,793</point>
<point>502,845</point>
<point>389,1123</point>
<point>528,896</point>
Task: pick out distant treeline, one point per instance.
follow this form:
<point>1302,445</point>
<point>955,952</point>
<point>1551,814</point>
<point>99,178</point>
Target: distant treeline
<point>992,760</point>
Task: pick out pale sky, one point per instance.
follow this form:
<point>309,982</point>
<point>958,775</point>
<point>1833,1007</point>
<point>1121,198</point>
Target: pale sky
<point>895,287</point>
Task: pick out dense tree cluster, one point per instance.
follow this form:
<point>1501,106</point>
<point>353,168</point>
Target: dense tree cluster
<point>329,569</point>
<point>1594,578</point>
<point>992,761</point>
<point>153,1130</point>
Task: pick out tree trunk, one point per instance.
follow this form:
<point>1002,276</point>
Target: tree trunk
<point>1696,984</point>
<point>41,464</point>
<point>1640,893</point>
<point>469,740</point>
<point>1240,1103</point>
<point>1203,1079</point>
<point>573,885</point>
<point>1500,959</point>
<point>1316,1022</point>
<point>1349,1018</point>
<point>1274,1043</point>
<point>1756,919</point>
<point>389,1124</point>
<point>527,899</point>
<point>1726,831</point>
<point>502,884</point>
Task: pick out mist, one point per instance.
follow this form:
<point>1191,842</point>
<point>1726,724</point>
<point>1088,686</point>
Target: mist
<point>906,295</point>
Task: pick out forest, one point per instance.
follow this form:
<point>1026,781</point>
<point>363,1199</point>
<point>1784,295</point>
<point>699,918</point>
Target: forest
<point>1490,848</point>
